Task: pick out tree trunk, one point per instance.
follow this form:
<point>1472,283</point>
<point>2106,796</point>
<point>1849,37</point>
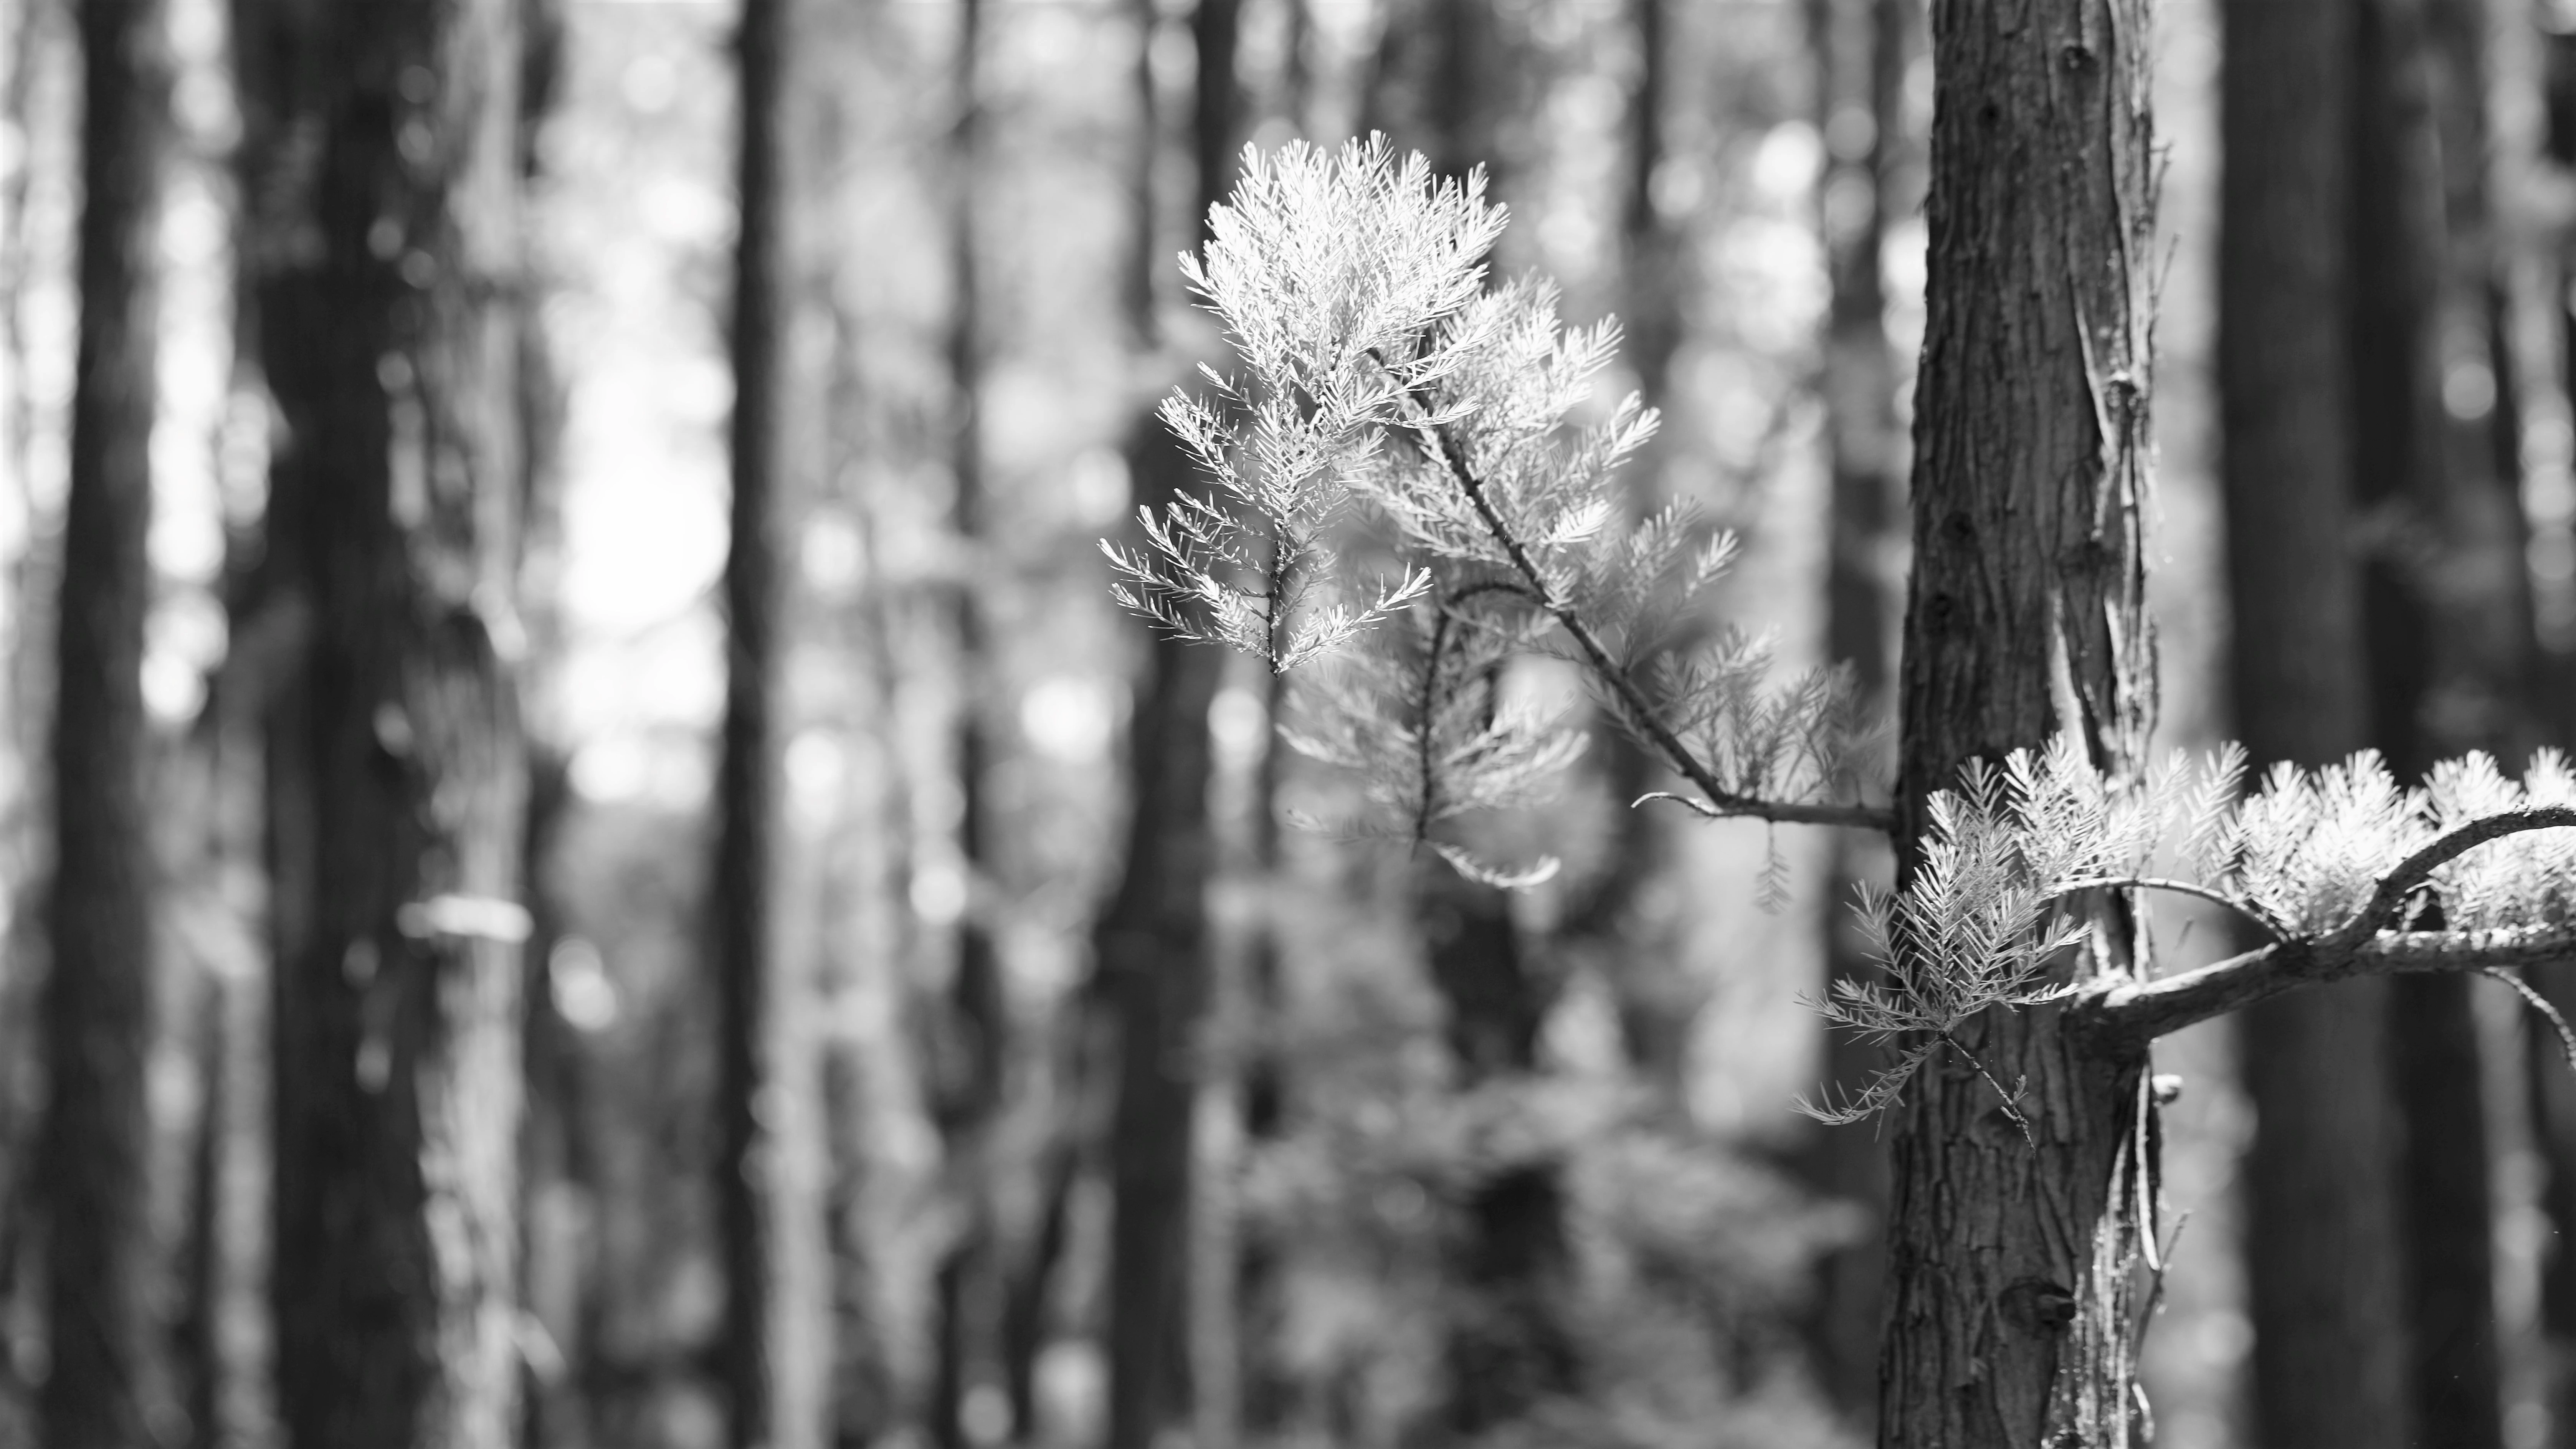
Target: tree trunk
<point>2442,615</point>
<point>2012,1306</point>
<point>1508,1349</point>
<point>1657,998</point>
<point>1860,48</point>
<point>2326,1281</point>
<point>757,1184</point>
<point>1450,74</point>
<point>385,278</point>
<point>93,1188</point>
<point>2539,68</point>
<point>975,1032</point>
<point>1152,950</point>
<point>1153,943</point>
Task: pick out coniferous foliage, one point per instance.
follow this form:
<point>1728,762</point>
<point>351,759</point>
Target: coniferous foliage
<point>1398,482</point>
<point>1403,447</point>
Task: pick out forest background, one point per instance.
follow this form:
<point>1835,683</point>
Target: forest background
<point>1072,1092</point>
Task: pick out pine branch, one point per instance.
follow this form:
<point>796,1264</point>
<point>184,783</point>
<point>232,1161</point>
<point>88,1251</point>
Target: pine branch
<point>2388,897</point>
<point>1721,802</point>
<point>2131,1014</point>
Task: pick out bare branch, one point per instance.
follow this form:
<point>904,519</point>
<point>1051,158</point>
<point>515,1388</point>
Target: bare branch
<point>2131,1014</point>
<point>1744,807</point>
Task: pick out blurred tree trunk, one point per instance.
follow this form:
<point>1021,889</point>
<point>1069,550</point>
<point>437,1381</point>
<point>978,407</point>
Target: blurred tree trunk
<point>969,1068</point>
<point>2539,67</point>
<point>106,1385</point>
<point>557,1254</point>
<point>775,1355</point>
<point>1248,1005</point>
<point>1153,943</point>
<point>2323,1238</point>
<point>1658,998</point>
<point>1509,1348</point>
<point>386,254</point>
<point>1448,75</point>
<point>2012,1302</point>
<point>2447,612</point>
<point>1860,49</point>
<point>1210,1081</point>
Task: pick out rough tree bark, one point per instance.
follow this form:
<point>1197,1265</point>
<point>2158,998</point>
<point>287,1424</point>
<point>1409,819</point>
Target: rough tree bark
<point>386,254</point>
<point>2323,1233</point>
<point>92,1188</point>
<point>1153,944</point>
<point>1859,48</point>
<point>2012,1298</point>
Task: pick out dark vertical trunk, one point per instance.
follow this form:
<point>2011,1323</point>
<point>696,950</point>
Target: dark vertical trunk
<point>2545,348</point>
<point>1860,48</point>
<point>1263,1083</point>
<point>975,1027</point>
<point>197,1337</point>
<point>2012,1299</point>
<point>395,772</point>
<point>1448,75</point>
<point>1508,1349</point>
<point>1652,313</point>
<point>2429,694</point>
<point>1211,1318</point>
<point>1152,944</point>
<point>92,1184</point>
<point>747,784</point>
<point>1657,1000</point>
<point>2323,1233</point>
<point>552,1151</point>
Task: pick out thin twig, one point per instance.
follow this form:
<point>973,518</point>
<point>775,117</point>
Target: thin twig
<point>2009,1110</point>
<point>1785,812</point>
<point>1424,729</point>
<point>2270,928</point>
<point>2156,1268</point>
<point>2541,1004</point>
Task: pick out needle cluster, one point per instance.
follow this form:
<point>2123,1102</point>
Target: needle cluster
<point>1399,480</point>
<point>2342,870</point>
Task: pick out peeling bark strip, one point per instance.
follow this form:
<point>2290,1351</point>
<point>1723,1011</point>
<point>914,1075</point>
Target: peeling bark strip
<point>2012,1311</point>
<point>384,261</point>
<point>96,1140</point>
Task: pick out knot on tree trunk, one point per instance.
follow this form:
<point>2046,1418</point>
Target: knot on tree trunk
<point>2036,1306</point>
